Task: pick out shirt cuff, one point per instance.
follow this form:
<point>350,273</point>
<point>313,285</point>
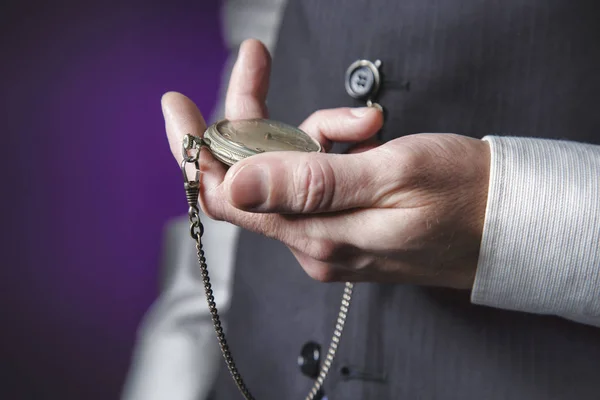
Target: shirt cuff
<point>540,250</point>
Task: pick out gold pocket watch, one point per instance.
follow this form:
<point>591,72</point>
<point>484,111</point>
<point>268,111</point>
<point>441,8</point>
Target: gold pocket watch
<point>230,142</point>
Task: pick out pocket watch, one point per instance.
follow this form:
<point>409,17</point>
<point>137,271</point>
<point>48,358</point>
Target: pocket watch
<point>230,142</point>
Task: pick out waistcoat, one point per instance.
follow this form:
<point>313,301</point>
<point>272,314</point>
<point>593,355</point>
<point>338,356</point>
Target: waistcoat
<point>472,67</point>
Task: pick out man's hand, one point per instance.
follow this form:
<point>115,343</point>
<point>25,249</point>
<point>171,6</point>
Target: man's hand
<point>410,210</point>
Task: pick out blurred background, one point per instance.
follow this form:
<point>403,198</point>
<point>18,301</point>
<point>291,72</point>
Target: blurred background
<point>88,180</point>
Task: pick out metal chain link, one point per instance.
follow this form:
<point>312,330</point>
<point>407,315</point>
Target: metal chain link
<point>214,313</point>
<point>192,190</point>
<point>335,341</point>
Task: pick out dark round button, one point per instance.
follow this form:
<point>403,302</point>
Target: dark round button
<point>362,79</point>
<point>309,359</point>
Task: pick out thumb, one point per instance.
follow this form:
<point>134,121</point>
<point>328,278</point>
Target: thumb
<point>298,183</point>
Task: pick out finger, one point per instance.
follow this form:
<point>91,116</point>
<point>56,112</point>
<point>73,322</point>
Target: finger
<point>334,238</point>
<point>246,98</point>
<point>304,183</point>
<point>343,125</point>
<point>354,269</point>
<point>249,82</point>
<point>318,270</point>
<point>182,117</point>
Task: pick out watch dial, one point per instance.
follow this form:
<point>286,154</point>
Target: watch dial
<point>261,135</point>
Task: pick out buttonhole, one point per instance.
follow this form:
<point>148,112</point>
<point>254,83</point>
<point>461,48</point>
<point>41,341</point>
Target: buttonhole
<point>396,85</point>
<point>352,373</point>
<point>345,371</point>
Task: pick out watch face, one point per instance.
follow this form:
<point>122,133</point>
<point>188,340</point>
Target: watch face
<point>260,135</point>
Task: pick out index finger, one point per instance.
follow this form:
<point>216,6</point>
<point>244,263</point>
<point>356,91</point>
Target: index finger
<point>246,98</point>
<point>249,82</point>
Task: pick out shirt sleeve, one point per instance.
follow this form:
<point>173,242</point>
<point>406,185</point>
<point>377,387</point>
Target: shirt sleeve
<point>176,354</point>
<point>540,251</point>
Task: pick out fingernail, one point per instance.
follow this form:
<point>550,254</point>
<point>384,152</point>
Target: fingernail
<point>360,112</point>
<point>377,106</point>
<point>249,188</point>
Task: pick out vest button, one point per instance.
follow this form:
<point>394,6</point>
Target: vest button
<point>363,79</point>
<point>309,359</point>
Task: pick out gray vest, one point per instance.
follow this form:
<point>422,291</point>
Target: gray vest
<point>473,67</point>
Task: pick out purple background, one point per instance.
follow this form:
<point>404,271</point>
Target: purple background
<point>90,181</point>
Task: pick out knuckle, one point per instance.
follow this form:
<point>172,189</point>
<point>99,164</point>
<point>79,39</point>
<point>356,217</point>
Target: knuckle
<point>409,165</point>
<point>312,180</point>
<point>322,273</point>
<point>320,122</point>
<point>269,225</point>
<point>214,210</point>
<point>322,250</point>
<point>318,117</point>
<point>210,213</point>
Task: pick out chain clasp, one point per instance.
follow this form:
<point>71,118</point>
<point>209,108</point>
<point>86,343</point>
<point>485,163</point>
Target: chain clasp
<point>190,151</point>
